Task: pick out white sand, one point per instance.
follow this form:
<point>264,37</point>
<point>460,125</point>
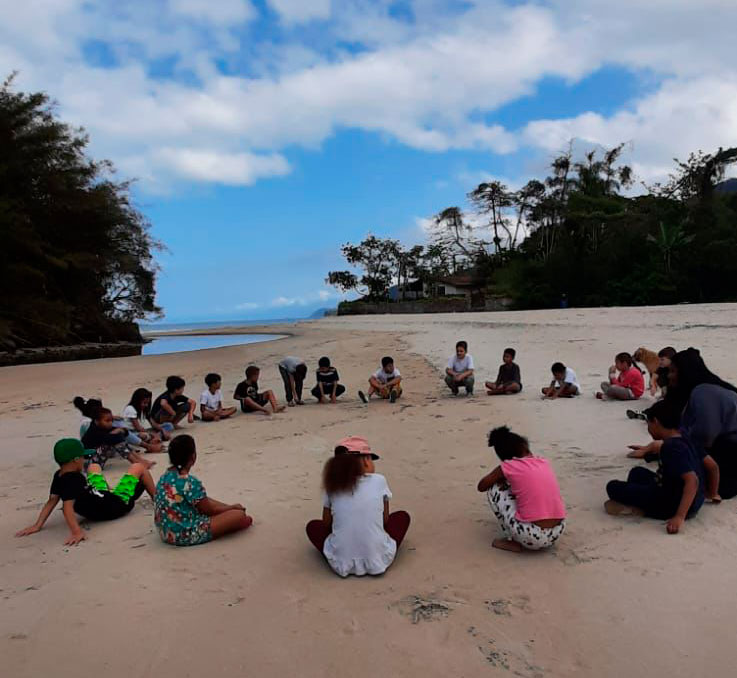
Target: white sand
<point>615,597</point>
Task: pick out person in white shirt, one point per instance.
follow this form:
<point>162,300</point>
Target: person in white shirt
<point>460,370</point>
<point>211,400</point>
<point>357,534</point>
<point>386,382</point>
<point>565,383</point>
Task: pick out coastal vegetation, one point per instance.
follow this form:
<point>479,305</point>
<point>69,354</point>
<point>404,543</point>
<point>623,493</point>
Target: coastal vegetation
<point>76,261</point>
<point>582,236</point>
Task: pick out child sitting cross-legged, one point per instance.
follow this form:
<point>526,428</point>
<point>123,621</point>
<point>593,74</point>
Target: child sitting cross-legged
<point>509,378</point>
<point>676,492</point>
<point>524,495</point>
<point>184,515</point>
<point>138,411</point>
<point>625,380</point>
<point>357,534</point>
<point>90,496</point>
<point>211,400</point>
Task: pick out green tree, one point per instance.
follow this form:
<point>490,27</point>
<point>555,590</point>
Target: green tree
<point>378,259</point>
<point>76,261</point>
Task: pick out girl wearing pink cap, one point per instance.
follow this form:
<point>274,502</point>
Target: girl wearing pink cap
<point>357,534</point>
<point>524,495</point>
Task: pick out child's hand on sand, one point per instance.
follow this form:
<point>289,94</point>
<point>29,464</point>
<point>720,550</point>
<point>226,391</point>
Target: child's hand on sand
<point>638,451</point>
<point>674,524</point>
<point>27,530</point>
<point>75,539</point>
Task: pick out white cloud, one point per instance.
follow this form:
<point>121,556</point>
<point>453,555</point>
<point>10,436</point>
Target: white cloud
<point>432,83</point>
<point>218,12</point>
<point>226,168</point>
<point>300,11</point>
<point>681,117</point>
<point>322,295</point>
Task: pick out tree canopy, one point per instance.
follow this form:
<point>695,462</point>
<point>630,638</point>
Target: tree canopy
<point>578,234</point>
<point>76,262</point>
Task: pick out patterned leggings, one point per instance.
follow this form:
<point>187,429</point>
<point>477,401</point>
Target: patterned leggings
<point>531,536</point>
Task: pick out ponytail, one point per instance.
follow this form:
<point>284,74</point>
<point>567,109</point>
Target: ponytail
<point>89,408</point>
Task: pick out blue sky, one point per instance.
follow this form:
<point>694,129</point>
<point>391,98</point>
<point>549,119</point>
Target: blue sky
<point>266,133</point>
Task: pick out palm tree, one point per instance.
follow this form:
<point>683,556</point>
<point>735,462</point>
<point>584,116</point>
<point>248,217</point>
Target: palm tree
<point>670,238</point>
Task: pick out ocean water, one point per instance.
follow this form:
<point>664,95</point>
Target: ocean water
<point>178,344</point>
<point>147,328</point>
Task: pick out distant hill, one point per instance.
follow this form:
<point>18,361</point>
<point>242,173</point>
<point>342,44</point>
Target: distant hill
<point>321,313</point>
<point>728,186</point>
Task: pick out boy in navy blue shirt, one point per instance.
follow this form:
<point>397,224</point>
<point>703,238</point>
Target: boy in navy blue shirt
<point>676,492</point>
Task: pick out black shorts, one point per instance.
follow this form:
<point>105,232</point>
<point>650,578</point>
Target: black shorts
<point>260,399</point>
<point>99,506</point>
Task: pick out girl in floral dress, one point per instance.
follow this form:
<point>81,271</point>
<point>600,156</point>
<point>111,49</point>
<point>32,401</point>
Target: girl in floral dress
<point>184,514</point>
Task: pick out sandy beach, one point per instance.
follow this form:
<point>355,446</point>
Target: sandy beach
<point>615,597</point>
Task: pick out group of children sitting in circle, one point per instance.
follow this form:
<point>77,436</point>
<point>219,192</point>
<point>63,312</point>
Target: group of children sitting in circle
<point>693,427</point>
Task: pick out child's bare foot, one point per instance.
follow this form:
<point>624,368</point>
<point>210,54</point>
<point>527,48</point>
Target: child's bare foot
<point>599,395</point>
<point>280,408</point>
<point>614,508</point>
<point>507,545</point>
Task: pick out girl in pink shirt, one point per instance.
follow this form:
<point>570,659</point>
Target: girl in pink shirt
<point>524,495</point>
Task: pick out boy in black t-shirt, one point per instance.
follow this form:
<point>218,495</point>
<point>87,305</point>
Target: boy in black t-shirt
<point>90,497</point>
<point>250,399</point>
<point>173,405</point>
<point>509,378</point>
<point>328,382</point>
<point>676,492</point>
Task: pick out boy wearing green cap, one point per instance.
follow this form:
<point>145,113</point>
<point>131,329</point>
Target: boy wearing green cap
<point>90,497</point>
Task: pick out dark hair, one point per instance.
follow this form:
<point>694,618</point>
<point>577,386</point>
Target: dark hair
<point>139,395</point>
<point>301,371</point>
<point>557,368</point>
<point>662,376</point>
<point>510,351</point>
<point>252,371</point>
<point>323,362</point>
<point>181,450</point>
<point>506,444</point>
<point>174,383</point>
<point>667,352</point>
<point>89,407</point>
<point>462,344</point>
<point>100,411</point>
<point>341,472</point>
<point>623,358</point>
<point>387,360</point>
<point>666,413</point>
<point>692,372</point>
<point>212,378</point>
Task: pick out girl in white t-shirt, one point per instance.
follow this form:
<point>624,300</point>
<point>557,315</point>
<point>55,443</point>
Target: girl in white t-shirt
<point>357,534</point>
<point>136,411</point>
